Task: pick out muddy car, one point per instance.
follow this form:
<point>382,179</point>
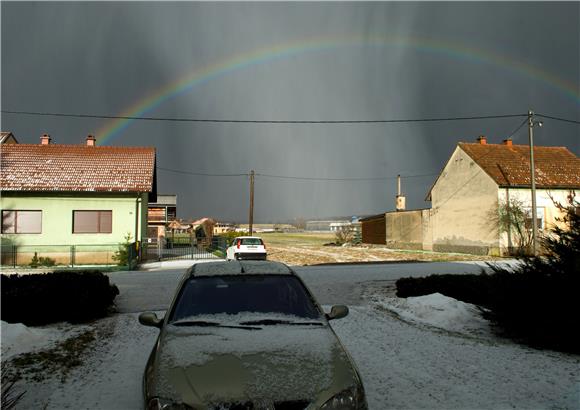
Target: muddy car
<point>248,335</point>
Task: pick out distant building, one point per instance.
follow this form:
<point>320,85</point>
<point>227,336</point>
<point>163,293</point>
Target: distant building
<point>374,229</point>
<point>223,227</point>
<point>159,214</point>
<point>326,225</point>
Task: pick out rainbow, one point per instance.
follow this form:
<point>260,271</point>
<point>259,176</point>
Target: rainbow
<point>283,51</point>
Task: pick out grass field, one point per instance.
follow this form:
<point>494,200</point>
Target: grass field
<point>297,238</point>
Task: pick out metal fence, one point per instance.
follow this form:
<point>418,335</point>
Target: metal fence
<point>38,256</point>
<point>184,248</point>
<point>122,256</point>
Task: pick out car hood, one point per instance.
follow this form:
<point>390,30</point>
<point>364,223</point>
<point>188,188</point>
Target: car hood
<point>215,367</point>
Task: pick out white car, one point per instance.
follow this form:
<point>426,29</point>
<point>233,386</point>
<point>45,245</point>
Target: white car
<point>247,247</point>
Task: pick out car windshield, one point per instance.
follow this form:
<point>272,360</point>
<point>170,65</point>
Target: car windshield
<point>231,294</point>
<point>251,241</point>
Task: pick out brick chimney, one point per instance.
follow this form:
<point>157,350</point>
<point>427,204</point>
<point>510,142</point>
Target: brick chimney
<point>45,139</point>
<point>91,141</point>
<point>507,142</point>
<point>482,140</point>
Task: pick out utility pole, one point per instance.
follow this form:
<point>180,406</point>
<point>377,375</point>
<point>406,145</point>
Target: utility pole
<point>251,218</point>
<point>531,125</point>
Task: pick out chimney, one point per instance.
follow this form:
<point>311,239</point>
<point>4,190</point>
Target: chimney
<point>45,139</point>
<point>507,142</point>
<point>482,140</point>
<point>91,141</point>
<point>400,199</point>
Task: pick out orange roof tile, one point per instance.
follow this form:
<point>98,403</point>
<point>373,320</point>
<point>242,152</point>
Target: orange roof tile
<point>56,167</point>
<point>509,165</point>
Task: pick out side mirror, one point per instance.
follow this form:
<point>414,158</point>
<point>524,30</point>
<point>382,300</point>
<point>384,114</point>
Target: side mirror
<point>150,319</point>
<point>337,312</point>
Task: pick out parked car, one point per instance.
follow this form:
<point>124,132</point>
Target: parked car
<point>247,247</point>
<point>248,335</point>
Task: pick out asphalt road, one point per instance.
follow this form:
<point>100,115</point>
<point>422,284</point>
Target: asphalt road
<point>331,284</point>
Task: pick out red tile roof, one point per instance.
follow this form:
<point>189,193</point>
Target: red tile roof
<point>56,167</point>
<point>555,167</point>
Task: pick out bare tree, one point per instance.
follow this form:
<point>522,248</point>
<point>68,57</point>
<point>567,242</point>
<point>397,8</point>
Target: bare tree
<point>300,223</point>
<point>512,219</point>
<point>344,234</point>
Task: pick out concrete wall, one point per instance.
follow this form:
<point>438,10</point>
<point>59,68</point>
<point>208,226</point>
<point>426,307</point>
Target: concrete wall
<point>373,230</point>
<point>404,229</point>
<point>129,216</point>
<point>462,199</point>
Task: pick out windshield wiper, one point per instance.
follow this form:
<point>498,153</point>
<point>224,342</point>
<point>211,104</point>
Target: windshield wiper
<point>267,322</point>
<point>194,323</point>
<point>203,323</point>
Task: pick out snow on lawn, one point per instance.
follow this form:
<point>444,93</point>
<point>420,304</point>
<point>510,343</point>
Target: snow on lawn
<point>17,338</point>
<point>403,365</point>
<point>439,311</point>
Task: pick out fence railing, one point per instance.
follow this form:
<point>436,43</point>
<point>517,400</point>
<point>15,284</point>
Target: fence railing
<point>184,247</point>
<point>38,256</point>
<point>123,256</point>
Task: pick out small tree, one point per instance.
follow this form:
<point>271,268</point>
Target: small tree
<point>121,255</point>
<point>510,219</point>
<point>300,223</point>
<point>344,234</point>
<point>37,261</point>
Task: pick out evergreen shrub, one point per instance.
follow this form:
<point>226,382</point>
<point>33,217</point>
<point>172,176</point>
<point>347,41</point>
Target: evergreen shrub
<point>536,302</point>
<point>72,296</point>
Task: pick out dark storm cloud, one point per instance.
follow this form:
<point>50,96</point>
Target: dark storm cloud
<point>100,58</point>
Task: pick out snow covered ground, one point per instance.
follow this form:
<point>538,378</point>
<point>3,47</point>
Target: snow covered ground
<point>429,352</point>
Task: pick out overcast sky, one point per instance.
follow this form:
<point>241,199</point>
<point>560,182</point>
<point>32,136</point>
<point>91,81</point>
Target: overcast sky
<point>292,61</point>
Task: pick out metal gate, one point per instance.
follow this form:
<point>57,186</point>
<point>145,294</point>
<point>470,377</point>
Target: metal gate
<point>183,248</point>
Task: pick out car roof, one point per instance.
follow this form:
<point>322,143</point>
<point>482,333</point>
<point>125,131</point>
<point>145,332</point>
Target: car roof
<point>248,237</point>
<point>240,268</point>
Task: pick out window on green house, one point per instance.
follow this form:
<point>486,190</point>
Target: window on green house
<point>92,221</point>
<point>16,221</point>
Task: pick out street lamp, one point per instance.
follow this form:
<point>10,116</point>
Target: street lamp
<point>531,125</point>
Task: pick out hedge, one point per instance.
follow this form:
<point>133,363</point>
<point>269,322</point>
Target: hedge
<point>535,308</point>
<point>71,296</point>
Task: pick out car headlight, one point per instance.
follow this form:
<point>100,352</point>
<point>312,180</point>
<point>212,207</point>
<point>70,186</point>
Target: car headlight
<point>349,399</point>
<point>158,403</point>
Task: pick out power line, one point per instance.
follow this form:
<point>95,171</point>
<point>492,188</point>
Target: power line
<point>179,171</point>
<point>218,120</point>
<point>524,122</point>
<point>177,119</point>
<point>557,118</point>
<point>341,179</point>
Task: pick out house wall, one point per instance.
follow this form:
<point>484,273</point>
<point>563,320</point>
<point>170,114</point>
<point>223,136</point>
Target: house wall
<point>462,199</point>
<point>57,217</point>
<point>427,229</point>
<point>404,229</point>
<point>544,203</point>
<point>374,230</point>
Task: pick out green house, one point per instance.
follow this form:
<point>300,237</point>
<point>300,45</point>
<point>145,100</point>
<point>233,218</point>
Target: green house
<point>73,204</point>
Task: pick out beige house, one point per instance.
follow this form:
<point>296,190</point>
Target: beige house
<point>479,177</point>
<point>476,181</point>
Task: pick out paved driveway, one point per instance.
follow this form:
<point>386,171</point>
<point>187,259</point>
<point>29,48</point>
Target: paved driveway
<point>331,284</point>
